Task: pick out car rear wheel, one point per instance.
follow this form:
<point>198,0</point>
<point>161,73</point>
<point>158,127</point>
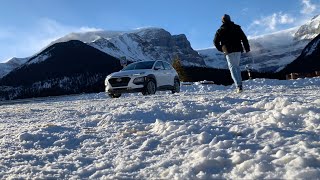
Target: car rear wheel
<point>176,87</point>
<point>114,95</point>
<point>150,88</point>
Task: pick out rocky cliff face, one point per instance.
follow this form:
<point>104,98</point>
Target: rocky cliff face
<point>162,45</point>
<point>140,45</point>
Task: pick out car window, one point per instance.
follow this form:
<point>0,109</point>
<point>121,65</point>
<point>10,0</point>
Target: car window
<point>167,66</point>
<point>139,65</point>
<point>159,65</point>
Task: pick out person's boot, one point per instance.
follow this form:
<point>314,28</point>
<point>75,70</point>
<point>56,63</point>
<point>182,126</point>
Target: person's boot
<point>239,89</point>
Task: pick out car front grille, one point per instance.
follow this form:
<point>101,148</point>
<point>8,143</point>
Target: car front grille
<point>119,82</point>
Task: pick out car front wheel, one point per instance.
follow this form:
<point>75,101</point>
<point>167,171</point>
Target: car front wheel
<point>114,95</point>
<point>150,88</point>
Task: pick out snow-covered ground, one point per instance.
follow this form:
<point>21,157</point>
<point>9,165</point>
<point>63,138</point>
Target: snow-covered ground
<point>270,131</point>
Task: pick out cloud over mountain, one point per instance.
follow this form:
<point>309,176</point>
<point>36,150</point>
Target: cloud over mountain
<point>308,7</point>
<point>282,20</point>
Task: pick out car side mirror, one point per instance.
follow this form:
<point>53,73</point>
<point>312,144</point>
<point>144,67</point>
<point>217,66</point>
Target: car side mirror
<point>156,68</point>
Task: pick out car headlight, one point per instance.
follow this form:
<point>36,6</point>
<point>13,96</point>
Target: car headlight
<point>139,80</point>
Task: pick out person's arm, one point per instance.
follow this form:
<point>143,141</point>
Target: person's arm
<point>216,41</point>
<point>245,41</point>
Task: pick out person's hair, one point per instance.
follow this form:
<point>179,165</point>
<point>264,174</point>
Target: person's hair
<point>226,18</point>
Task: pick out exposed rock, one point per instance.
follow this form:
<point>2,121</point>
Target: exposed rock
<point>150,44</point>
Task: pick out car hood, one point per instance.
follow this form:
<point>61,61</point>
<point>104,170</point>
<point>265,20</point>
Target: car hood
<point>129,73</point>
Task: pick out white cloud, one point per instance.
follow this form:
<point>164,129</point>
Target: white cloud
<point>307,7</point>
<point>89,29</point>
<point>286,19</point>
<point>271,23</point>
<point>279,21</point>
<point>26,42</point>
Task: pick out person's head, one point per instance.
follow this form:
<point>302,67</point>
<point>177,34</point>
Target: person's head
<point>226,18</point>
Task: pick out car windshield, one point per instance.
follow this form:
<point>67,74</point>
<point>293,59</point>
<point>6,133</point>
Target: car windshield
<point>139,65</point>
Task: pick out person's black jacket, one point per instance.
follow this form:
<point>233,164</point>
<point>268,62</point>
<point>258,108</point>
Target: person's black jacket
<point>230,37</point>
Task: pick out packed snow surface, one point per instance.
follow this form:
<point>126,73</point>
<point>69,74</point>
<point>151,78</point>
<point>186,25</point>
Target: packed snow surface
<point>270,131</point>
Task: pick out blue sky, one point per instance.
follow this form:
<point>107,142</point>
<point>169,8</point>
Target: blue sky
<point>26,26</point>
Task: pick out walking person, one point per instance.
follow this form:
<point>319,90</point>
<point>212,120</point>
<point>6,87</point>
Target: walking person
<point>230,39</point>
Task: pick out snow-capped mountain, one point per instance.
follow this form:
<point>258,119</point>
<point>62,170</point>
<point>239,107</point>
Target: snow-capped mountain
<point>11,64</point>
<point>272,52</point>
<point>308,61</point>
<point>309,30</point>
<point>140,44</point>
<point>62,68</point>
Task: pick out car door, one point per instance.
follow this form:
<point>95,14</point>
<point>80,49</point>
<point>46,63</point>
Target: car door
<point>159,73</point>
<point>169,73</point>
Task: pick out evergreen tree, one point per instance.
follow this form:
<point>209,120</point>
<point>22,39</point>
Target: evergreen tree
<point>180,69</point>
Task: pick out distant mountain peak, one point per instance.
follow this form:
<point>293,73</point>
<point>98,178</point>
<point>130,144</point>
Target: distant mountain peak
<point>11,64</point>
<point>91,36</point>
<point>309,30</point>
<point>316,17</point>
<point>150,43</point>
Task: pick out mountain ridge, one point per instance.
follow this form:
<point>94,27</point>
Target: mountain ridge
<point>139,44</point>
<point>69,67</point>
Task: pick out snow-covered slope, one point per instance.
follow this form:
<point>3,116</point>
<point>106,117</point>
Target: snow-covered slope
<point>11,64</point>
<point>310,30</point>
<point>272,52</point>
<point>271,131</point>
<point>89,36</point>
<point>140,44</point>
<point>309,60</point>
<point>310,50</point>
